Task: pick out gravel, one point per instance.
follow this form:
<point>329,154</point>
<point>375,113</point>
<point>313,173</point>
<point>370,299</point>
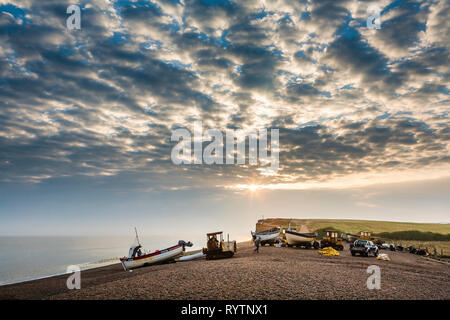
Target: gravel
<point>273,273</point>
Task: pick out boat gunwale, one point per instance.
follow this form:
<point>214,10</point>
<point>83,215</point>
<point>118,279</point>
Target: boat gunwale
<point>158,252</point>
<point>267,232</point>
<point>304,235</point>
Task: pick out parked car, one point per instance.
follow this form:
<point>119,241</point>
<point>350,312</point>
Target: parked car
<point>412,249</point>
<point>364,248</point>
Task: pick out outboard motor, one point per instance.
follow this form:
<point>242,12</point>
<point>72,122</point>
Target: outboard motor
<point>185,244</point>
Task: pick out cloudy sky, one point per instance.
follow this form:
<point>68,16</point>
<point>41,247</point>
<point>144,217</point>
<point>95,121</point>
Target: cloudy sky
<point>86,116</point>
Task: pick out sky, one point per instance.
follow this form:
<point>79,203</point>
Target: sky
<point>87,115</point>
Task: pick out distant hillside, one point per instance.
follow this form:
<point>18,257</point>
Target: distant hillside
<point>414,235</point>
<point>355,226</point>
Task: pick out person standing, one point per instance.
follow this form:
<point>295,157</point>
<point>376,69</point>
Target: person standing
<point>257,241</point>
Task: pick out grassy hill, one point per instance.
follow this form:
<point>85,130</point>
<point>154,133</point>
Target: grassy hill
<point>355,226</point>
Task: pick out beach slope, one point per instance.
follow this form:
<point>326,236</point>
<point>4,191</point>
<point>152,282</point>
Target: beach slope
<point>273,273</point>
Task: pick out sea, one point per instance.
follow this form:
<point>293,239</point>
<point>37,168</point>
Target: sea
<point>30,258</point>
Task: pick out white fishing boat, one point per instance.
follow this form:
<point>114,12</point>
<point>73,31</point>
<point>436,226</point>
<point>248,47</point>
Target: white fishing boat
<point>137,259</point>
<point>301,239</point>
<point>267,236</point>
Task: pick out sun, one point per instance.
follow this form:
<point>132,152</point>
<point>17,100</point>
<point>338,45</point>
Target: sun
<point>248,187</point>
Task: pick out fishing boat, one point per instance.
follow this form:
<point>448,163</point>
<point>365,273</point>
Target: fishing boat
<point>137,259</point>
<point>350,237</point>
<point>301,239</point>
<point>267,236</point>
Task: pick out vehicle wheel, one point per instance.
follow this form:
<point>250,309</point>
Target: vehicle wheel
<point>353,254</point>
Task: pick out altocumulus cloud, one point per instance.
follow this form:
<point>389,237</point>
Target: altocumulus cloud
<point>103,100</point>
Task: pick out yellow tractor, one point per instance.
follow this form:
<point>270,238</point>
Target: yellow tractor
<point>331,239</point>
<point>217,248</point>
<point>365,235</point>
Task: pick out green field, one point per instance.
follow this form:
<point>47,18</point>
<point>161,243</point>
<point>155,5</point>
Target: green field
<point>355,226</point>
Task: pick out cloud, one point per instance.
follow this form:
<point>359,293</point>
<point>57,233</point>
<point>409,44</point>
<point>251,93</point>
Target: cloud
<point>103,101</point>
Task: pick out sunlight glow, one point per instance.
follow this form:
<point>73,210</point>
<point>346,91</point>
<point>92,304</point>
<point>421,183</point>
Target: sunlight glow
<point>353,181</point>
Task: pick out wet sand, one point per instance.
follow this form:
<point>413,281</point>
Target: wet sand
<point>273,273</point>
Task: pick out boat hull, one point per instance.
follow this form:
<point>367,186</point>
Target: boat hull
<point>267,237</point>
<point>198,255</point>
<point>294,238</point>
<point>152,258</point>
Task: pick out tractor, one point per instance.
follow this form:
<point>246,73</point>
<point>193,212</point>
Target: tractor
<point>365,235</point>
<point>217,248</point>
<point>332,239</point>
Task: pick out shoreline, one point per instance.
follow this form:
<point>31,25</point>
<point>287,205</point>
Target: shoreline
<point>58,274</point>
<point>95,265</point>
<point>290,273</point>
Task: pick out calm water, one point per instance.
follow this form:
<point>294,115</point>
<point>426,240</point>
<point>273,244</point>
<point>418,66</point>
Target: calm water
<point>27,258</point>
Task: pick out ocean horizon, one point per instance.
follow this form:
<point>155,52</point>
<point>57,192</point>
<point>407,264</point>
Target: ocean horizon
<point>36,257</point>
